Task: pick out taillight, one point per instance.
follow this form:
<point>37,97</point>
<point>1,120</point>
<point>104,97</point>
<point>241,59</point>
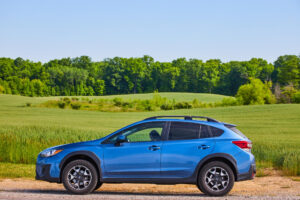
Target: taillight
<point>245,145</point>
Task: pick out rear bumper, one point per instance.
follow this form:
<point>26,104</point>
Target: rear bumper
<point>43,173</point>
<point>248,175</point>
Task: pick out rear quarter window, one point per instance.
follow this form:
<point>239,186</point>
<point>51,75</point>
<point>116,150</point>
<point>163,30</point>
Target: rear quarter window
<point>237,131</point>
<point>216,132</point>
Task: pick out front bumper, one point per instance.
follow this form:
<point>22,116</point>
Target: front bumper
<point>43,173</point>
<point>248,175</point>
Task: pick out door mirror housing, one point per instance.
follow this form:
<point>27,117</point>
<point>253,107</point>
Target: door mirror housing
<point>121,139</point>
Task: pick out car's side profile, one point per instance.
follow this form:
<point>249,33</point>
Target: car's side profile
<point>162,150</point>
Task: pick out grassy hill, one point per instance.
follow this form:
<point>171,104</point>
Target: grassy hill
<point>25,131</point>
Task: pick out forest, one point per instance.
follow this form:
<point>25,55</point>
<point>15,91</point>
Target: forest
<point>81,76</point>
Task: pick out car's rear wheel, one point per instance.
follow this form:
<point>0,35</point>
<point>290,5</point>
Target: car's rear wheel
<point>216,179</point>
<point>99,184</point>
<point>80,177</point>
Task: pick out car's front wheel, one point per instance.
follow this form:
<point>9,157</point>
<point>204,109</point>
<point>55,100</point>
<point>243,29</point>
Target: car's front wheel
<point>80,177</point>
<point>216,179</point>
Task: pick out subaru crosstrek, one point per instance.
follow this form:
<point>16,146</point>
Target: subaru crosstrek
<point>161,150</point>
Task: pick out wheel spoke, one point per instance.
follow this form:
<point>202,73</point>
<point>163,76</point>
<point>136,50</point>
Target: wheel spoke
<point>224,183</point>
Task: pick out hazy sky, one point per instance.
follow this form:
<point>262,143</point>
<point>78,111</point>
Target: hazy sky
<point>41,30</point>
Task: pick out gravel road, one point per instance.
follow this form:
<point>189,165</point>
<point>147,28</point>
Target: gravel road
<point>271,187</point>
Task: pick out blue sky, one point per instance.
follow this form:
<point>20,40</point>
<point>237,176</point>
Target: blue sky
<point>41,30</point>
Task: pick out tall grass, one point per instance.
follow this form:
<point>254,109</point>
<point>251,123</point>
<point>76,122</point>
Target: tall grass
<point>22,144</point>
<point>25,131</point>
<point>286,158</point>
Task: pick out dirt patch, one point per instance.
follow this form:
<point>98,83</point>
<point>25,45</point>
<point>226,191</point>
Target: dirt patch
<point>262,187</point>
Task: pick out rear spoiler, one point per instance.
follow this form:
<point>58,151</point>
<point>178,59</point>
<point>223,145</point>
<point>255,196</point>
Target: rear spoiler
<point>229,125</point>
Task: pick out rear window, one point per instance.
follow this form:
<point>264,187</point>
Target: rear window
<point>184,131</point>
<point>237,131</point>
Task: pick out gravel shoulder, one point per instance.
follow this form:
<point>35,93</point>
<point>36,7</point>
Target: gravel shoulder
<point>270,187</point>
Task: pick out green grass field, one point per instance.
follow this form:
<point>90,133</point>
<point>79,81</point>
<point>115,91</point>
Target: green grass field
<point>25,131</point>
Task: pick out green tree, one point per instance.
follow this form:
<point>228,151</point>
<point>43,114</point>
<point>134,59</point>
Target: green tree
<point>210,75</point>
<point>134,73</point>
<point>287,70</point>
<point>38,88</point>
<point>99,87</point>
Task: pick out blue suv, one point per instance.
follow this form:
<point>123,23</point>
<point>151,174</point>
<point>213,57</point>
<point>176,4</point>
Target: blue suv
<point>161,150</point>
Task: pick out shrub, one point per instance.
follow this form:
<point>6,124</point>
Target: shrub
<point>183,105</point>
<point>2,90</point>
<point>196,103</point>
<point>28,104</point>
<point>229,101</point>
<point>61,104</point>
<point>296,97</point>
<point>76,105</point>
<point>255,92</point>
<point>75,99</point>
<point>67,100</point>
<point>167,106</point>
<point>148,105</point>
<point>288,93</point>
<point>157,100</point>
<point>117,101</point>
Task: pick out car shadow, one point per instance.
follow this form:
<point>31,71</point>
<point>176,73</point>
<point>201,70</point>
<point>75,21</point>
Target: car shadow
<point>103,192</point>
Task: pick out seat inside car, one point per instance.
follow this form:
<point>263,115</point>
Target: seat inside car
<point>154,135</point>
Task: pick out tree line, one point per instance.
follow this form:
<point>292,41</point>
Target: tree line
<point>81,76</point>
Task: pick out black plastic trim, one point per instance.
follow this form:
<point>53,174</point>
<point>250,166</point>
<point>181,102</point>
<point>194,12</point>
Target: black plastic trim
<point>247,175</point>
<point>212,156</point>
<point>186,117</point>
<point>168,181</point>
<point>89,154</point>
<point>47,177</point>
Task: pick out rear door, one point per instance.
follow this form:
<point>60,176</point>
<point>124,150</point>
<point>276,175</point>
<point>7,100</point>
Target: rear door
<point>186,145</point>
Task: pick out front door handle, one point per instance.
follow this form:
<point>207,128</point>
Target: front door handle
<point>203,146</point>
<point>154,148</point>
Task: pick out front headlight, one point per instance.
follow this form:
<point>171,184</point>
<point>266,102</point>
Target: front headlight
<point>51,152</point>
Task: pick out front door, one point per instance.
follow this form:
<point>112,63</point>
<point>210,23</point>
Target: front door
<point>139,157</point>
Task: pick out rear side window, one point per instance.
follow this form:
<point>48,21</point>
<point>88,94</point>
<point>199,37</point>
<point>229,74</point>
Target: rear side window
<point>216,132</point>
<point>204,133</point>
<point>184,131</point>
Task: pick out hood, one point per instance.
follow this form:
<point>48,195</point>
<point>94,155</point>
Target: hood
<point>72,145</point>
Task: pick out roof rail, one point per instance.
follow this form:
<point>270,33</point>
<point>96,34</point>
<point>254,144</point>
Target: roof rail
<point>186,117</point>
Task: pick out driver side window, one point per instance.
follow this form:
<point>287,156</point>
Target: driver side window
<point>145,132</point>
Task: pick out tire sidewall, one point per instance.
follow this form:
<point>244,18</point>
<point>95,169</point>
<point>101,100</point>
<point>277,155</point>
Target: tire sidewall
<point>99,184</point>
<point>93,171</point>
<point>201,179</point>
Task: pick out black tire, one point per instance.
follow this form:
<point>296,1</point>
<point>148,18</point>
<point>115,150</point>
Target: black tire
<point>215,184</point>
<point>86,177</point>
<point>99,184</point>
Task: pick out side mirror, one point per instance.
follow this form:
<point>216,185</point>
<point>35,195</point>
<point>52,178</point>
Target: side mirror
<point>121,139</point>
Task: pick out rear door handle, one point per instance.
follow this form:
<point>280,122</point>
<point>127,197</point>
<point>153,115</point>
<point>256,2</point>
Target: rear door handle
<point>154,148</point>
<point>203,146</point>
